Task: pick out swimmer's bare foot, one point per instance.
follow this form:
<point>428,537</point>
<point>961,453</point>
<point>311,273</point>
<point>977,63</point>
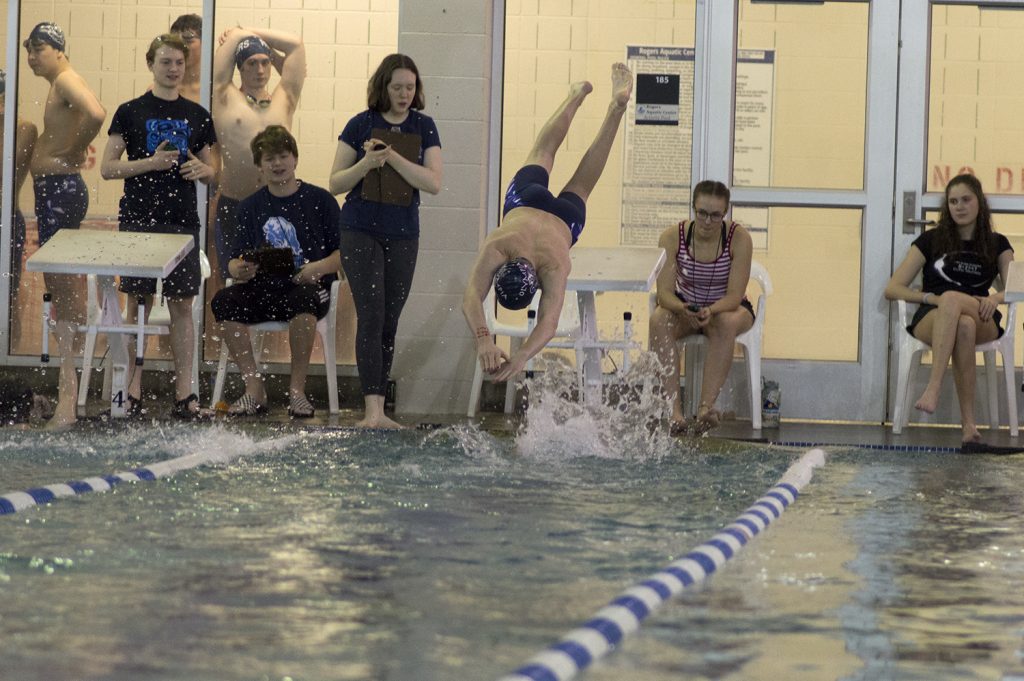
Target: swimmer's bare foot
<point>622,84</point>
<point>379,422</point>
<point>928,401</point>
<point>681,426</point>
<point>707,419</point>
<point>64,416</point>
<point>971,434</point>
<point>579,90</point>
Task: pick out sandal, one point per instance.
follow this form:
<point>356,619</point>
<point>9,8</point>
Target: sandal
<point>300,408</point>
<point>134,408</point>
<point>246,405</point>
<point>183,408</point>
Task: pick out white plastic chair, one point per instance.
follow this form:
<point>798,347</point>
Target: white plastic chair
<point>565,336</point>
<point>909,351</point>
<point>159,324</point>
<point>326,328</point>
<point>694,345</point>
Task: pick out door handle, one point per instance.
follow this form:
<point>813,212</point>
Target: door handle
<point>911,224</point>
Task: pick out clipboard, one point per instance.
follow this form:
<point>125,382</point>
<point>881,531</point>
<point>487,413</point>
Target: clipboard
<point>384,184</point>
<point>276,261</point>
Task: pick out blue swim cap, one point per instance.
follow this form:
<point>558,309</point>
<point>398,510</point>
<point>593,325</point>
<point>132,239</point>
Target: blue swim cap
<point>515,284</point>
<point>249,47</point>
<point>49,33</point>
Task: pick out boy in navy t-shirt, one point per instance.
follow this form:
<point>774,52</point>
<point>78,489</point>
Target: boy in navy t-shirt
<point>167,139</point>
<point>286,213</point>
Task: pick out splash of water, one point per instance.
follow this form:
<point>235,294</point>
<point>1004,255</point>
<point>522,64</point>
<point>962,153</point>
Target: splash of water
<point>475,443</point>
<point>627,423</point>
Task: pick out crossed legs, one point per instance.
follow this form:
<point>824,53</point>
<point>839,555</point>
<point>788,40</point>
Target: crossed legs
<point>953,330</point>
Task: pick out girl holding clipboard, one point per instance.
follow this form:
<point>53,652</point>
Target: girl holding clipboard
<point>386,155</point>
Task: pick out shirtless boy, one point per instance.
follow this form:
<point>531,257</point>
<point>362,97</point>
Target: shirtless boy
<point>531,249</point>
<point>190,28</point>
<point>241,112</point>
<point>71,119</point>
<point>25,138</point>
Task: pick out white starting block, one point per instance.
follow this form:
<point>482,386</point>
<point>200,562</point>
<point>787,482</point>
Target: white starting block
<point>600,270</point>
<point>105,255</point>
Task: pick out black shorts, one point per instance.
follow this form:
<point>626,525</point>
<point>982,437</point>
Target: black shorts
<point>745,304</point>
<point>183,281</point>
<point>924,309</point>
<point>529,189</point>
<point>271,299</point>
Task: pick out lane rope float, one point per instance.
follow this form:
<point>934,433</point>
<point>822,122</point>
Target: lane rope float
<point>622,616</point>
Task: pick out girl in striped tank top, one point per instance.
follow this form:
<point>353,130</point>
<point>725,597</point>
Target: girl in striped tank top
<point>703,293</point>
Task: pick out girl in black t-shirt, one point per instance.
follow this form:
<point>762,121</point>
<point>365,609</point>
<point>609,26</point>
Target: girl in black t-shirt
<point>960,259</point>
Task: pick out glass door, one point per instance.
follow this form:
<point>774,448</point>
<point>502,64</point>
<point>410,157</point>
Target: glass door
<point>960,93</point>
<point>808,151</point>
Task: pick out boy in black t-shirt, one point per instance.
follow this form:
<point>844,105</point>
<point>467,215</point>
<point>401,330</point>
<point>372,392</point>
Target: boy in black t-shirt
<point>285,213</point>
<point>167,139</point>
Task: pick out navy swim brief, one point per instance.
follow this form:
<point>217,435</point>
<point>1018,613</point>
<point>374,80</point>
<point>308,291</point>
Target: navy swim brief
<point>61,203</point>
<point>529,189</point>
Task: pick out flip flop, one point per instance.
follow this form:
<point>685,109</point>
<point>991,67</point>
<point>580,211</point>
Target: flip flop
<point>246,405</point>
<point>984,448</point>
<point>183,408</point>
<point>300,408</point>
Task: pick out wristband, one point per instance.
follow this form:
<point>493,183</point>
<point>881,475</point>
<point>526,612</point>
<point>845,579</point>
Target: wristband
<point>924,299</point>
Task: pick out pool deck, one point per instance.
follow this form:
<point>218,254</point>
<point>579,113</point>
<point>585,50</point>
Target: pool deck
<point>788,433</point>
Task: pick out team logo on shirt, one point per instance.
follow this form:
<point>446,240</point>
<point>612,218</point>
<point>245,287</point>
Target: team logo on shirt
<point>280,233</point>
<point>962,269</point>
<point>177,132</point>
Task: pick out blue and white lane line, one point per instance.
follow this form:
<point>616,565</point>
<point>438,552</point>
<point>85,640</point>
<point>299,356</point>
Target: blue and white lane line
<point>12,502</point>
<point>620,618</point>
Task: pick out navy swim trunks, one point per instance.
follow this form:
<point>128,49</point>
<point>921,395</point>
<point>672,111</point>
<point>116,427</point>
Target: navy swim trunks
<point>61,203</point>
<point>529,189</point>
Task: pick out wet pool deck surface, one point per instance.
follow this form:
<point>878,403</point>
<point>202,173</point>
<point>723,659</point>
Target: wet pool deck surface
<point>788,433</point>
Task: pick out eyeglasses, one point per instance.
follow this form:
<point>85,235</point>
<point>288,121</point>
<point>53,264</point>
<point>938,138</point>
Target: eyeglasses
<point>189,37</point>
<point>705,216</point>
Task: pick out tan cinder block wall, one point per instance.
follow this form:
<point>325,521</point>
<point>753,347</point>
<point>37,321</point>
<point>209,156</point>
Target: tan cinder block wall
<point>451,44</point>
<point>345,41</point>
<point>107,42</point>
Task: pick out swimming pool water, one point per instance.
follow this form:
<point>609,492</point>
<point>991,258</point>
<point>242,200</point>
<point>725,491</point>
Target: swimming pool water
<point>453,555</point>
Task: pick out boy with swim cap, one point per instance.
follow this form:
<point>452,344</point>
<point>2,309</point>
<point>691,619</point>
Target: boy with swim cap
<point>73,116</point>
<point>531,249</point>
<point>241,112</point>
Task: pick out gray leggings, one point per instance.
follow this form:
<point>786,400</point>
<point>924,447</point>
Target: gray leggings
<point>380,274</point>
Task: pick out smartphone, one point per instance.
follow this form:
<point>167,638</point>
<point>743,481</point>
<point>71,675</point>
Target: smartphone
<point>693,307</point>
<point>380,146</point>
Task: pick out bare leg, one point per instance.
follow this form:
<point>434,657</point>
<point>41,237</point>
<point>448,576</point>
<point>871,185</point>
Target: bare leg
<point>236,337</point>
<point>182,337</point>
<point>134,387</point>
<point>964,377</point>
<point>592,164</point>
<point>665,329</point>
<point>556,128</point>
<point>301,333</point>
<point>721,332</point>
<point>375,417</point>
<point>70,311</point>
<point>939,330</point>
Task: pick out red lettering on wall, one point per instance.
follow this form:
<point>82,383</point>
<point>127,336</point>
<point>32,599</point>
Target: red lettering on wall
<point>940,176</point>
<point>966,170</point>
<point>1004,180</point>
<point>90,158</point>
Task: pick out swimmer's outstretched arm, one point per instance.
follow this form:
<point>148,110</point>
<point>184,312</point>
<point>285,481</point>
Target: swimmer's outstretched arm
<point>552,295</point>
<point>480,281</point>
